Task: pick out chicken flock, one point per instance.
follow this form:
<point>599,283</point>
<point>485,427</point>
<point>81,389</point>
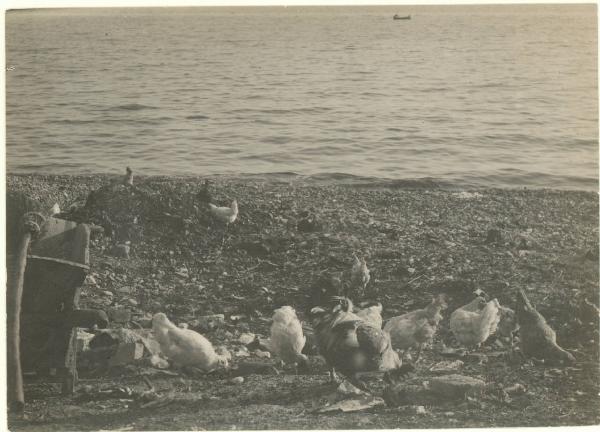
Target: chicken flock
<point>354,341</point>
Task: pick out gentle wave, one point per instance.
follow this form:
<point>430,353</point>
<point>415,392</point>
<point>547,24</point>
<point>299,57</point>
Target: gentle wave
<point>325,91</point>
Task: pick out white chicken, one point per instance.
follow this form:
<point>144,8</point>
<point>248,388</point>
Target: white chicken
<point>359,276</point>
<point>473,323</point>
<point>226,215</point>
<point>128,178</point>
<point>287,338</point>
<point>372,314</point>
<point>416,328</point>
<point>185,347</point>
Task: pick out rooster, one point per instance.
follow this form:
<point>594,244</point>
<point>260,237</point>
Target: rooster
<point>185,347</point>
<point>128,178</point>
<point>473,323</point>
<point>225,215</point>
<point>359,276</point>
<point>287,338</point>
<point>352,345</point>
<point>537,339</point>
<point>416,328</point>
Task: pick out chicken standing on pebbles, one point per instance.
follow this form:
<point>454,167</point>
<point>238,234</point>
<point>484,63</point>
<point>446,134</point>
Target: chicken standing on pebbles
<point>185,347</point>
<point>352,345</point>
<point>371,313</point>
<point>128,178</point>
<point>474,322</point>
<point>360,276</point>
<point>287,338</point>
<point>537,339</point>
<point>225,215</point>
<point>416,328</point>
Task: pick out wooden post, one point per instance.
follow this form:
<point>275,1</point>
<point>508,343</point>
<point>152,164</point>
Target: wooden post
<point>14,294</point>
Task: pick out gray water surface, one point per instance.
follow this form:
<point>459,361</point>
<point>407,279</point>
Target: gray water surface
<point>469,95</point>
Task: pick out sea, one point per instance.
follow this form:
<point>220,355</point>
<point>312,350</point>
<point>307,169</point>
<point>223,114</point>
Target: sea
<point>460,96</point>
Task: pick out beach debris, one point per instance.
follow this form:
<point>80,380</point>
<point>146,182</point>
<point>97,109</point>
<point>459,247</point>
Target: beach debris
<point>353,405</point>
<point>516,389</point>
<point>447,366</point>
<point>237,380</point>
<point>127,353</point>
<point>456,386</point>
<point>420,410</point>
<point>83,340</point>
<point>208,322</point>
<point>118,315</point>
<point>262,354</point>
<point>246,338</point>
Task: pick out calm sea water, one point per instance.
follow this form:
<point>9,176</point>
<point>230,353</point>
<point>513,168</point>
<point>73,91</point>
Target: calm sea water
<point>467,95</point>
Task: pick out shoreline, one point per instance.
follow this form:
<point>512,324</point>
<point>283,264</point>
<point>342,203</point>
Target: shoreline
<point>323,179</point>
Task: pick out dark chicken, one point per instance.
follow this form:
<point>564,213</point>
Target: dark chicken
<point>537,339</point>
<point>352,345</point>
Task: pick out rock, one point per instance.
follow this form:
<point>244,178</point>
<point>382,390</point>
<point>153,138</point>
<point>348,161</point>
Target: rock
<point>516,389</point>
<point>420,410</point>
<point>351,405</point>
<point>127,354</point>
<point>125,290</point>
<point>183,273</point>
<point>237,380</point>
<point>447,366</point>
<point>403,394</point>
<point>346,388</point>
<point>132,302</point>
<point>118,315</point>
<point>246,338</point>
<point>209,322</point>
<point>262,354</point>
<point>456,386</point>
<point>91,280</point>
<point>242,352</point>
<point>121,251</point>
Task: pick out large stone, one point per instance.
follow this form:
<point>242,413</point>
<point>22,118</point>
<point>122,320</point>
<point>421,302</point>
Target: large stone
<point>456,386</point>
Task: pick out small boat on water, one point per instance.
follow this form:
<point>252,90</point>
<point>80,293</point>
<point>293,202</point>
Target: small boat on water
<point>398,17</point>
